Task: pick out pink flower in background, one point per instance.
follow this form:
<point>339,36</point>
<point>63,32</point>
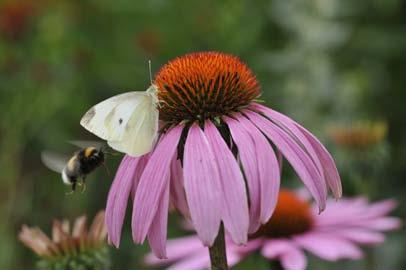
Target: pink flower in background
<point>296,227</point>
<point>216,158</point>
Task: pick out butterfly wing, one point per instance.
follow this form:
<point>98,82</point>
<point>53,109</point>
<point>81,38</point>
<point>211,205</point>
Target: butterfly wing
<point>129,122</point>
<point>144,129</point>
<point>109,118</point>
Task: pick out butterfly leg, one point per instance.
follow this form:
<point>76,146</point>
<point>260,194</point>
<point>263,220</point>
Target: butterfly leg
<point>161,103</point>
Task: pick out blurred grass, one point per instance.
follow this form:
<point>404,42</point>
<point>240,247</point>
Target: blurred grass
<point>319,61</point>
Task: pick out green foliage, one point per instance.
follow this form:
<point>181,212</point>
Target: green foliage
<point>90,260</point>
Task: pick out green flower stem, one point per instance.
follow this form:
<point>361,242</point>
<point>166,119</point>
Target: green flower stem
<point>218,257</point>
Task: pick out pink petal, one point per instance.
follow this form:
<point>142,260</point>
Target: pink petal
<point>178,248</point>
<point>328,247</point>
<point>142,162</point>
<point>152,184</point>
<point>246,249</point>
<point>246,152</point>
<point>274,248</point>
<point>300,160</point>
<point>371,216</point>
<point>233,258</point>
<point>177,190</point>
<point>379,224</point>
<point>118,197</point>
<point>286,252</point>
<point>378,209</point>
<point>341,212</point>
<point>198,261</point>
<point>322,158</point>
<point>202,185</point>
<point>235,206</point>
<point>359,235</point>
<point>158,230</point>
<point>294,260</point>
<point>268,168</point>
<point>291,127</point>
<point>330,169</point>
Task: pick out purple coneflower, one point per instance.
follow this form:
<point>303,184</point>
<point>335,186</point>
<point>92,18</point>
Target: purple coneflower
<point>71,247</point>
<point>296,227</point>
<point>216,158</point>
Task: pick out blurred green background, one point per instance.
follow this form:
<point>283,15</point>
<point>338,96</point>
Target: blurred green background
<point>323,62</point>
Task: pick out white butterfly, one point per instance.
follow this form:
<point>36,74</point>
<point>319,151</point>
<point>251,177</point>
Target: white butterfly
<point>128,122</point>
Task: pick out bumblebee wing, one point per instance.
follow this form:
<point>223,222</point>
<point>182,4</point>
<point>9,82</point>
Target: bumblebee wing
<point>54,161</point>
<point>109,119</point>
<point>141,130</point>
<point>85,144</point>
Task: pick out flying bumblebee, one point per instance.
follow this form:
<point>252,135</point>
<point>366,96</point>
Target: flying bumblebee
<point>76,168</point>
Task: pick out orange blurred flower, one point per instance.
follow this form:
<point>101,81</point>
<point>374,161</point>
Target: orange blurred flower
<point>360,135</point>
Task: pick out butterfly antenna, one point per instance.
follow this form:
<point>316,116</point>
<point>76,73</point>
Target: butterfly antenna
<point>150,71</point>
<point>114,154</point>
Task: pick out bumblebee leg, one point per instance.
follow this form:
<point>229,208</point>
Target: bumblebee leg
<point>84,188</point>
<point>73,189</point>
<point>84,184</point>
